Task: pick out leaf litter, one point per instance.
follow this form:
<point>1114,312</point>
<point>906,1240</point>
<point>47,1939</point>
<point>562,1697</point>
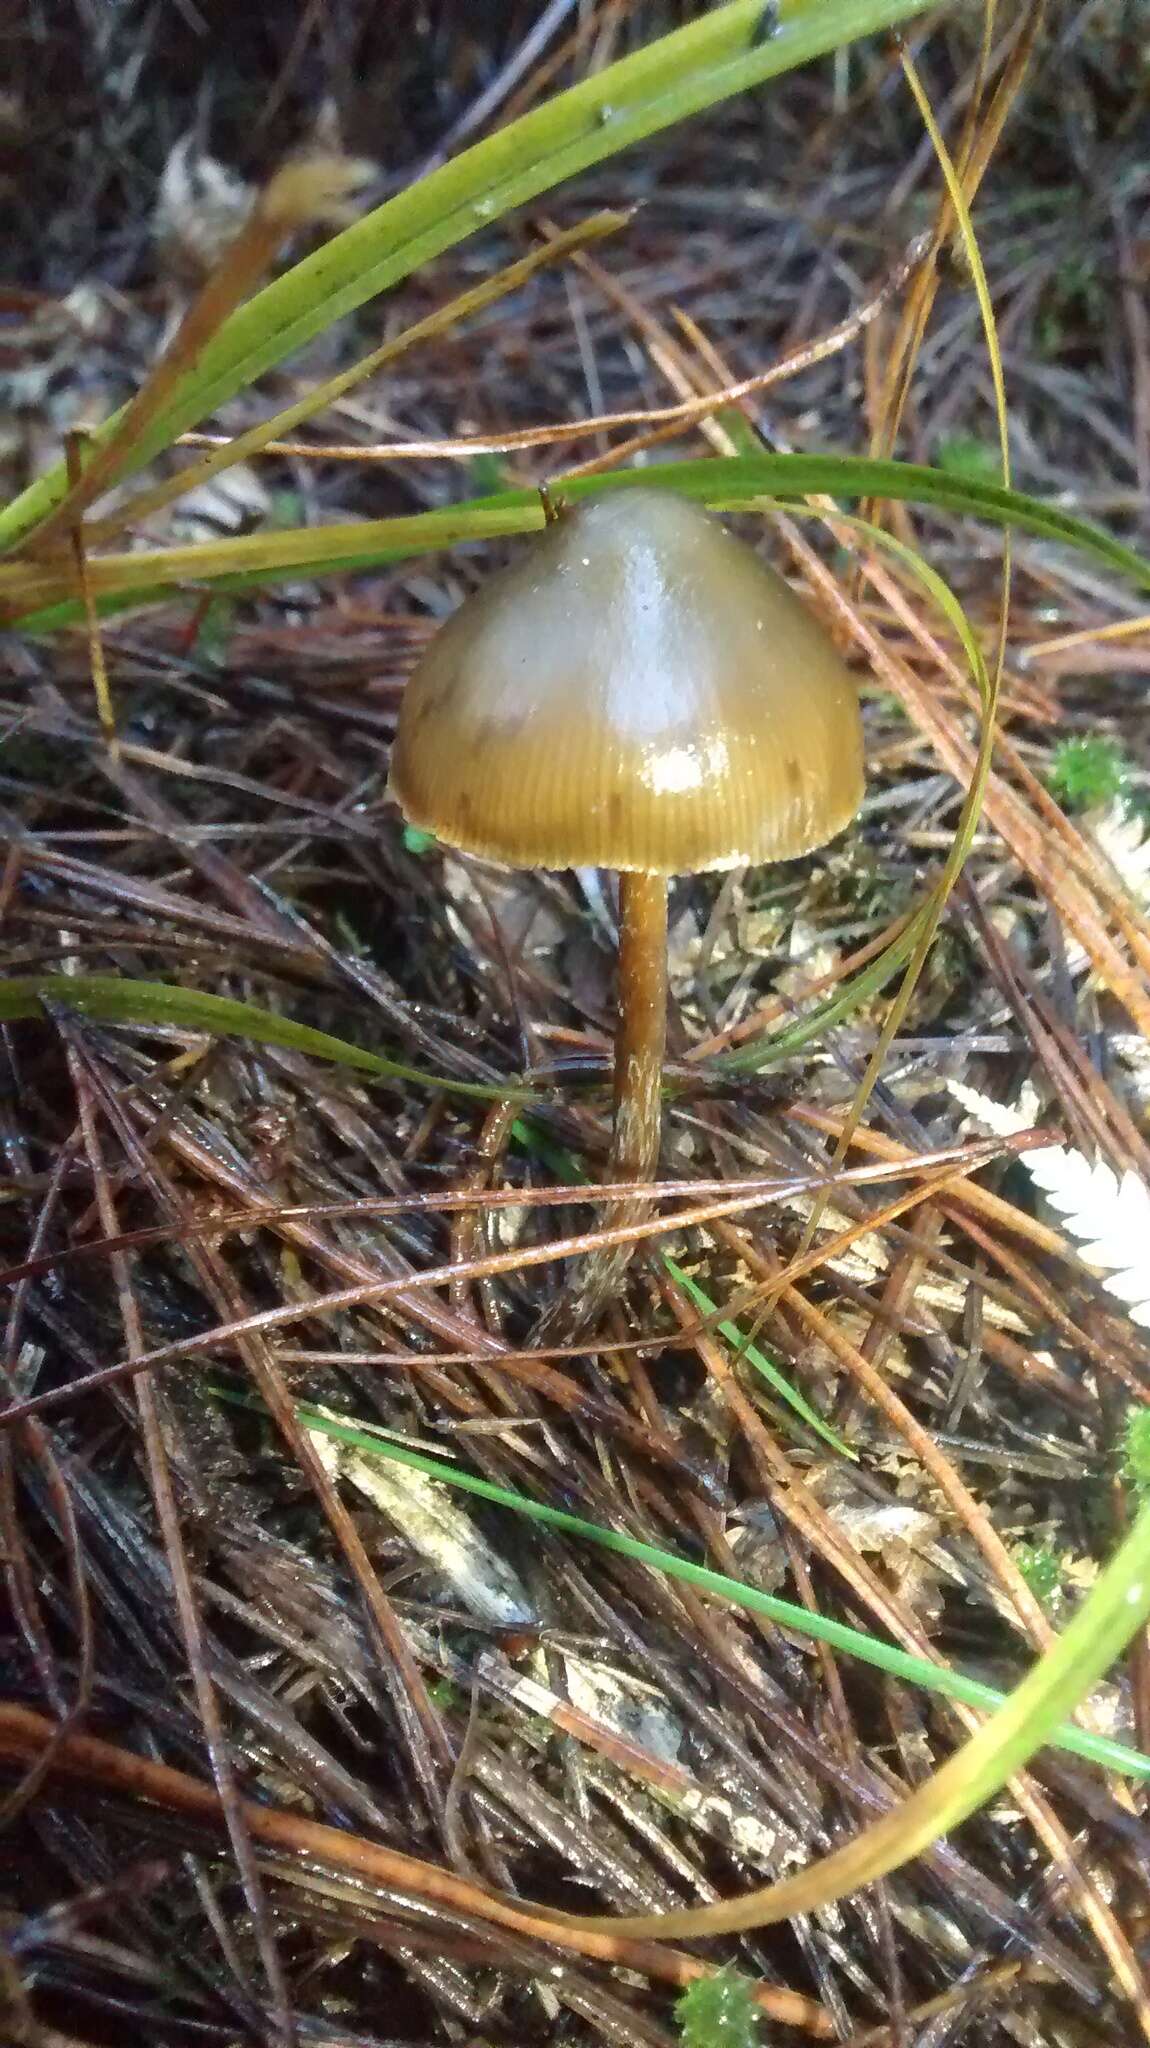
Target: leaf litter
<point>446,1681</point>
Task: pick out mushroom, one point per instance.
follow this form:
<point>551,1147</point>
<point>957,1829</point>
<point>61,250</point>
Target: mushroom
<point>639,692</point>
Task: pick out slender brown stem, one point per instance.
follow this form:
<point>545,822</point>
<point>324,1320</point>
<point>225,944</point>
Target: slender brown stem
<point>642,1034</point>
<point>639,1045</point>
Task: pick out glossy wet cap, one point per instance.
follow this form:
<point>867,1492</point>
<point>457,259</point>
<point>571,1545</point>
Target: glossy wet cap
<point>639,691</point>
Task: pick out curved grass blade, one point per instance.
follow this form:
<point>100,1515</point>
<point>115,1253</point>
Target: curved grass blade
<point>113,999</point>
<point>988,681</point>
<point>1106,1622</point>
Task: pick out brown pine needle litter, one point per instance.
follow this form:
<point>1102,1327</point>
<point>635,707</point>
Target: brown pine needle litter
<point>301,1741</point>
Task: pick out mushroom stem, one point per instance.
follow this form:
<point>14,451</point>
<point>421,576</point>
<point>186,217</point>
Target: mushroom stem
<point>639,1044</point>
<point>642,1034</point>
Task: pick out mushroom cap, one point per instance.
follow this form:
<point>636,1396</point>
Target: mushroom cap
<point>638,692</point>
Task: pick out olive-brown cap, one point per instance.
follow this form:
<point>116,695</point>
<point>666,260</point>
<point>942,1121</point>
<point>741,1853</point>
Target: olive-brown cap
<point>639,692</point>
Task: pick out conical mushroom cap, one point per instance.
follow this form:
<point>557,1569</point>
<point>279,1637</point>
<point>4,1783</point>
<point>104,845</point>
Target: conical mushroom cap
<point>639,691</point>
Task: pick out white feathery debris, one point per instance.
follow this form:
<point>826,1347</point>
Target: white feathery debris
<point>1109,1216</point>
<point>436,1527</point>
<point>1122,836</point>
<point>202,206</point>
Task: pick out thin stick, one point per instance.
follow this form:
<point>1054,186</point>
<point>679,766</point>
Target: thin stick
<point>164,1789</point>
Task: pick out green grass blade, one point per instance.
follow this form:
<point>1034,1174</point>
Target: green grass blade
<point>743,1348</point>
<point>726,51</point>
<point>39,595</point>
<point>112,999</point>
<point>1106,1622</point>
<point>759,1053</point>
<point>935,1678</point>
